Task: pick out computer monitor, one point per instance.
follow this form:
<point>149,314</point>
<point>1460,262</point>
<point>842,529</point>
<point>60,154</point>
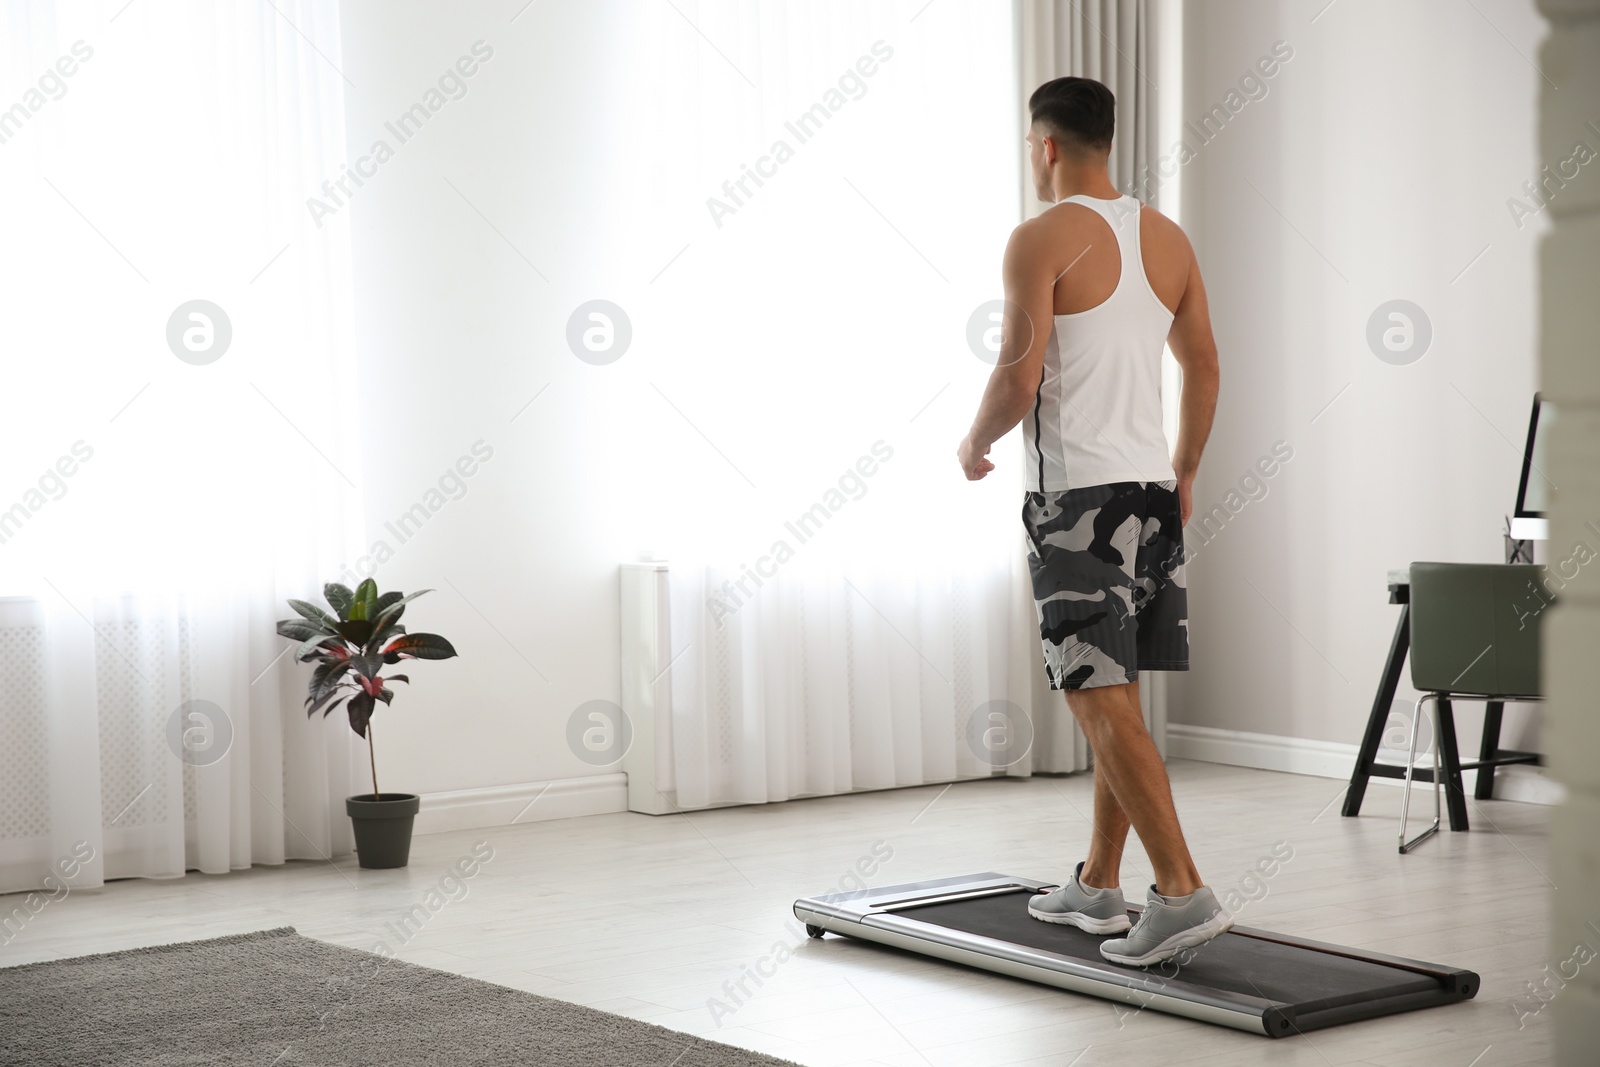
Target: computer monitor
<point>1530,522</point>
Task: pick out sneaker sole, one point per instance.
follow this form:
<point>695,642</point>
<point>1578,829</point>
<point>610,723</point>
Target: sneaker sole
<point>1085,922</point>
<point>1193,937</point>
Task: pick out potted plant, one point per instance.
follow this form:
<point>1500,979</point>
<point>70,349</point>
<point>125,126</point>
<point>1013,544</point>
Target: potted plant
<point>351,648</point>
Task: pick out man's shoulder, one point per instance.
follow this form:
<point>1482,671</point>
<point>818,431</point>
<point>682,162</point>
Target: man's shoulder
<point>1034,239</point>
<point>1058,227</point>
<point>1154,226</point>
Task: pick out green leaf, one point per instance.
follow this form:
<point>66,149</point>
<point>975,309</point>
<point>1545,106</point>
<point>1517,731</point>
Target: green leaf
<point>366,666</point>
<point>325,680</point>
<point>310,645</point>
<point>339,596</point>
<point>386,601</point>
<point>386,694</point>
<point>323,699</point>
<point>390,613</point>
<point>360,711</point>
<point>308,610</point>
<point>420,646</point>
<point>408,598</point>
<point>398,678</point>
<point>302,629</point>
<point>366,596</point>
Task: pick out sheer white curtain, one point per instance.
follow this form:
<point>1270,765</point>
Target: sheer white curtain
<point>169,472</point>
<point>844,610</point>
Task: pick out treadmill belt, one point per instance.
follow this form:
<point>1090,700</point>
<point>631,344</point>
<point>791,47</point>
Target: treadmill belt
<point>1235,963</point>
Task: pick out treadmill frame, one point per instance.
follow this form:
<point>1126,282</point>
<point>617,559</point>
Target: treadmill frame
<point>876,915</point>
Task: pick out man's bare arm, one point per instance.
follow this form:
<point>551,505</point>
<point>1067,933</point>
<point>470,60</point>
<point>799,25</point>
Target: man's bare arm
<point>1195,349</point>
<point>1030,313</point>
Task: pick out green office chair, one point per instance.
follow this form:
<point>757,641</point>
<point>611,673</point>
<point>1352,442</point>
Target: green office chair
<point>1474,634</point>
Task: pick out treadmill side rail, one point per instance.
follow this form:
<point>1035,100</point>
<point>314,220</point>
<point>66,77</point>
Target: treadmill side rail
<point>855,906</point>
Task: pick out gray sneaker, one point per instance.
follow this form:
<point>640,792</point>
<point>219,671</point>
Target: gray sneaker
<point>1168,926</point>
<point>1099,911</point>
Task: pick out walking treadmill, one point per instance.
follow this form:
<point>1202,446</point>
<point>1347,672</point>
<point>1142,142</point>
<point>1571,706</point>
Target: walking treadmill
<point>1252,980</point>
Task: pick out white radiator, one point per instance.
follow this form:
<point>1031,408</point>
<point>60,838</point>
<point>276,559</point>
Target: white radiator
<point>647,688</point>
<point>24,727</point>
<point>131,666</point>
<point>647,691</point>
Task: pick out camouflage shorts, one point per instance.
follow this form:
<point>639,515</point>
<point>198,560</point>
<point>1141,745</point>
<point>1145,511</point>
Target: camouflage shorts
<point>1107,566</point>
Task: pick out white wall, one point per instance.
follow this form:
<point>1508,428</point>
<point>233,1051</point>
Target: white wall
<point>1377,166</point>
<point>450,320</point>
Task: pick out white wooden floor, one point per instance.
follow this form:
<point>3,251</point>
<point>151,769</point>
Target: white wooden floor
<point>656,918</point>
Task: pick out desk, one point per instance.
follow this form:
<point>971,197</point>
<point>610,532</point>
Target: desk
<point>1490,754</point>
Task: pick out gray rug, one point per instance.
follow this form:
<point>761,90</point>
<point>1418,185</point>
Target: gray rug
<point>275,999</point>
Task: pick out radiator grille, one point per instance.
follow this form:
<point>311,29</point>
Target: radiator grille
<point>24,766</point>
<point>131,683</point>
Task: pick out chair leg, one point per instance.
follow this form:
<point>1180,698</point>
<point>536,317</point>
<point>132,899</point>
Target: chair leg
<point>1411,762</point>
<point>1455,795</point>
<point>1488,748</point>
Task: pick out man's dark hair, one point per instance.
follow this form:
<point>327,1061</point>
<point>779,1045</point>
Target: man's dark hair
<point>1081,111</point>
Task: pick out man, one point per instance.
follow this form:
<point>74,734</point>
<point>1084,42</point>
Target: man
<point>1094,287</point>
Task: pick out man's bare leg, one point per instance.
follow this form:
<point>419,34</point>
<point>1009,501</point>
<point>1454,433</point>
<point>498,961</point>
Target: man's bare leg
<point>1102,868</point>
<point>1127,762</point>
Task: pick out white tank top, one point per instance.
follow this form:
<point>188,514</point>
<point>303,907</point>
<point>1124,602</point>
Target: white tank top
<point>1097,416</point>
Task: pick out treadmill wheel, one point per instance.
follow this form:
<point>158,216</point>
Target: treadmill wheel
<point>814,931</point>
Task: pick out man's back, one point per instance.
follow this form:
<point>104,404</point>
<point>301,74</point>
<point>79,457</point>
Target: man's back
<point>1087,263</point>
<point>1119,273</point>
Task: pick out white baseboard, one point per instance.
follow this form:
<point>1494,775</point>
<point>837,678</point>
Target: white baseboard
<point>1333,759</point>
<point>564,798</point>
<point>501,805</point>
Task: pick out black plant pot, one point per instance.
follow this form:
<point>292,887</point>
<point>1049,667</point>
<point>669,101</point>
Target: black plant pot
<point>383,827</point>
